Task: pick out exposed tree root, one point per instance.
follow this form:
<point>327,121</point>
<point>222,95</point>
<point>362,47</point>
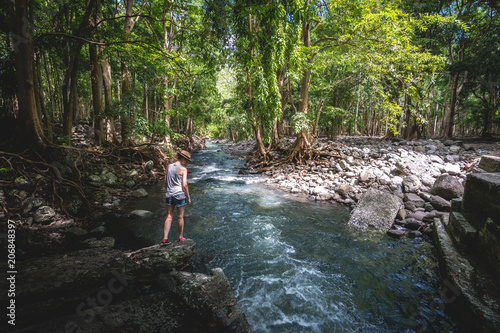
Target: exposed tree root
<point>31,171</point>
<point>301,152</point>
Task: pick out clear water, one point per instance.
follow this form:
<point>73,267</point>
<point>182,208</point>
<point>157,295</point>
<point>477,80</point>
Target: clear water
<point>293,263</point>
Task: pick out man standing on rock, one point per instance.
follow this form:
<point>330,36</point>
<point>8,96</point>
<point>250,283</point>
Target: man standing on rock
<point>177,194</point>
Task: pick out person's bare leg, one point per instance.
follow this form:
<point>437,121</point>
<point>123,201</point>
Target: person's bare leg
<point>168,221</point>
<point>180,221</point>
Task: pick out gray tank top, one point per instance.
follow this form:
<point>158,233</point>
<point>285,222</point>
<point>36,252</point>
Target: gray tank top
<point>174,181</point>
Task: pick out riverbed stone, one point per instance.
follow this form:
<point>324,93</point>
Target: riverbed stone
<point>76,232</point>
<point>448,142</point>
<point>44,214</point>
<point>440,203</point>
<point>401,214</point>
<point>428,207</point>
<point>322,194</point>
<point>141,213</point>
<point>410,205</point>
<point>36,202</point>
<point>447,187</point>
<point>411,223</point>
<point>418,215</point>
<point>415,199</point>
<point>99,243</point>
<point>396,233</point>
<point>429,217</point>
<point>376,209</point>
<point>139,193</point>
<point>452,169</point>
<point>98,230</point>
<point>436,159</point>
<point>109,179</point>
<point>415,234</point>
<point>454,149</point>
<point>364,175</point>
<point>345,188</point>
<point>61,224</point>
<point>411,184</point>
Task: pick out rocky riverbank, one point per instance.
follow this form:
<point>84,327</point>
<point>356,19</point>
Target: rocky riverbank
<point>105,289</point>
<point>67,197</point>
<point>76,271</point>
<point>425,174</point>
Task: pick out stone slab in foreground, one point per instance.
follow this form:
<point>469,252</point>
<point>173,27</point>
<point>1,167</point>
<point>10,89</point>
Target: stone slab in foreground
<point>376,209</point>
<point>469,289</point>
<point>103,290</point>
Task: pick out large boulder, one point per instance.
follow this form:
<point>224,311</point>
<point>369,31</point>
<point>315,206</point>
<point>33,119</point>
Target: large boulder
<point>447,187</point>
<point>376,209</point>
<point>211,295</point>
<point>103,289</point>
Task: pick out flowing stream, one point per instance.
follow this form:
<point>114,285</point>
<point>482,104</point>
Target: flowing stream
<point>293,263</point>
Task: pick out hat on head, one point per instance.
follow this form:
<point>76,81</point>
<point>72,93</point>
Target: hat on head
<point>186,155</point>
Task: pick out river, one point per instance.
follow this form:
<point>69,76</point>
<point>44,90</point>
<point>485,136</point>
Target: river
<point>293,263</point>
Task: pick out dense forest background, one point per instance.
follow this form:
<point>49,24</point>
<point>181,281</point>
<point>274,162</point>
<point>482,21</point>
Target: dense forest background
<point>149,71</point>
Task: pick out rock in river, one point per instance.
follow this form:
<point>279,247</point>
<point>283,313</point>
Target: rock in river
<point>139,193</point>
<point>376,209</point>
<point>141,213</point>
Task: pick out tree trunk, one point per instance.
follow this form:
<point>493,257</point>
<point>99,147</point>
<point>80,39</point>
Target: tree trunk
<point>29,130</point>
<point>68,90</point>
<point>69,87</point>
<point>254,117</point>
<point>145,103</point>
<point>109,134</point>
<point>490,110</point>
<point>51,90</point>
<point>96,95</point>
<point>306,74</point>
<point>304,138</point>
<point>96,83</point>
<point>47,121</point>
<point>126,121</point>
<point>449,117</point>
<point>126,87</point>
<point>168,36</point>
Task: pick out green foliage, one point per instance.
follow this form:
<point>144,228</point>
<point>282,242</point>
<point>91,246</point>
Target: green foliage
<point>227,66</point>
<point>160,128</point>
<point>392,114</point>
<point>301,122</point>
<point>7,174</point>
<point>19,179</point>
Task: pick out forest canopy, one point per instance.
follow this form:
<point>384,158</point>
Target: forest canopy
<point>149,71</point>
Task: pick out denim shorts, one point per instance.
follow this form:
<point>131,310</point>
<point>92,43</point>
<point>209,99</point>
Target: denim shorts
<point>177,200</point>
